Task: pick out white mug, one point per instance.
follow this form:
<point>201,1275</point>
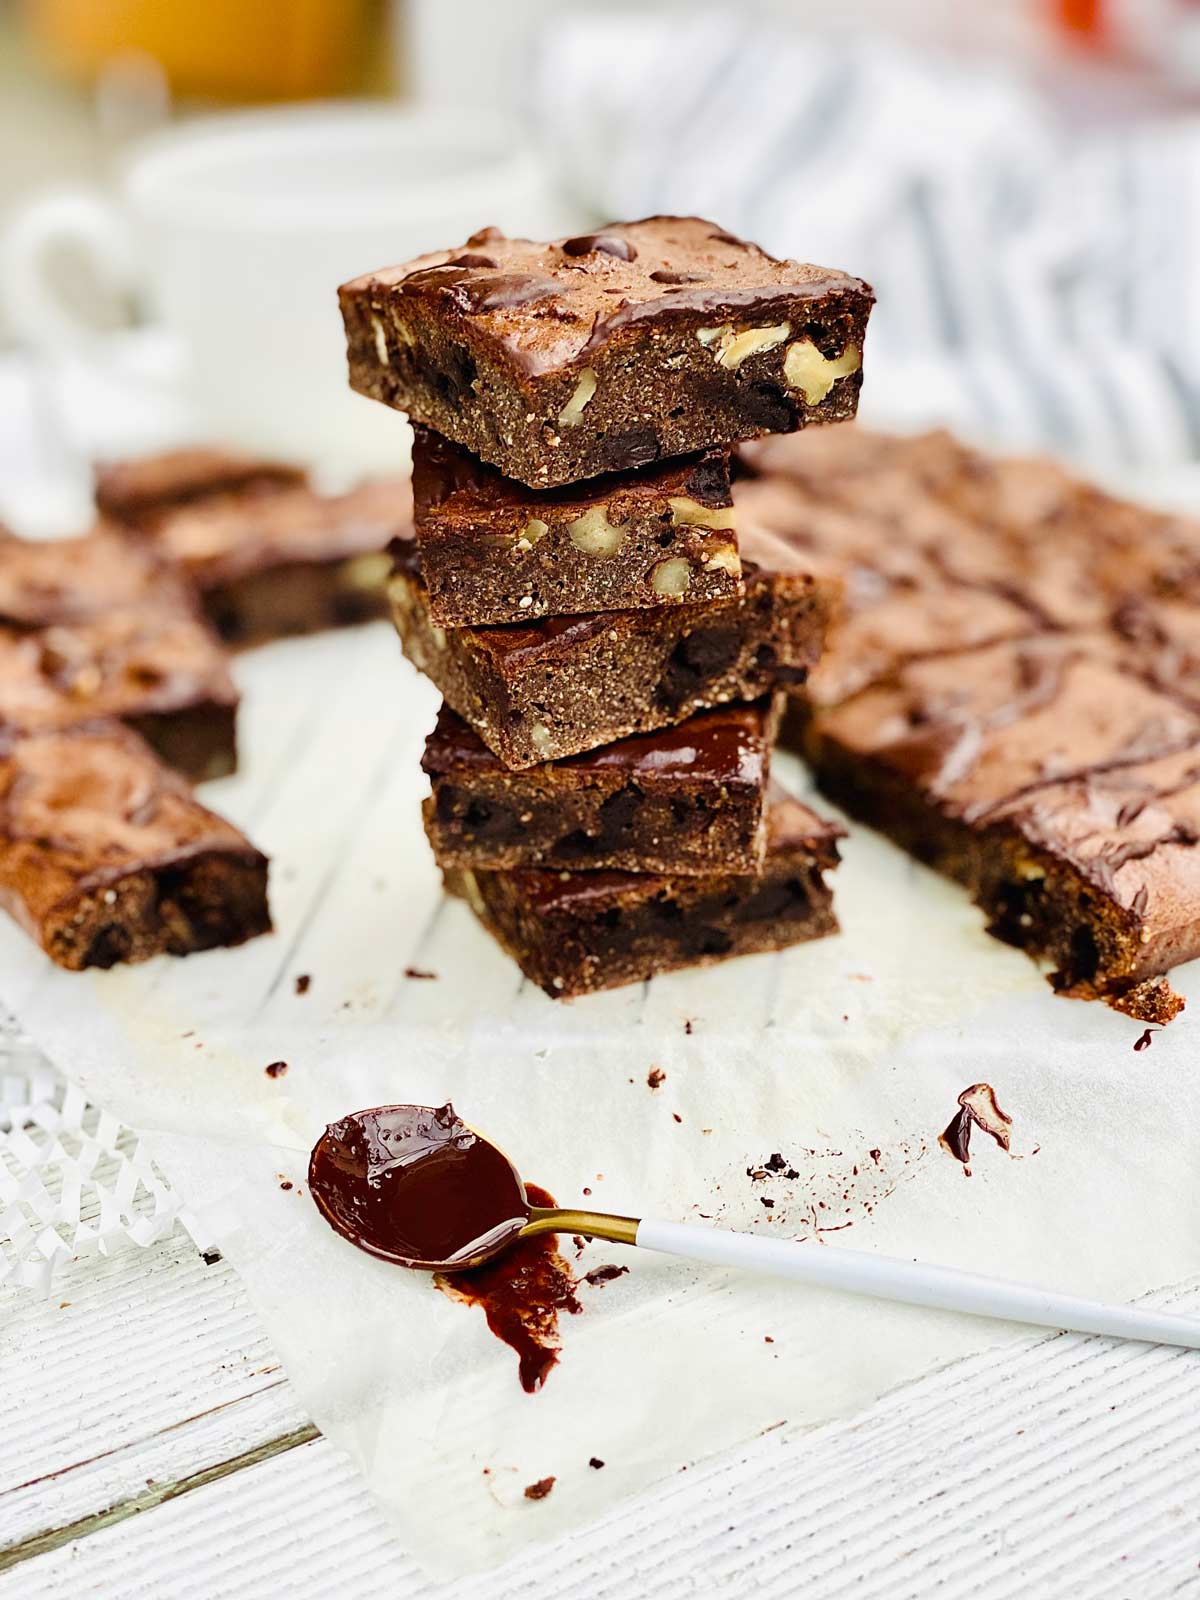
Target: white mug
<point>237,231</point>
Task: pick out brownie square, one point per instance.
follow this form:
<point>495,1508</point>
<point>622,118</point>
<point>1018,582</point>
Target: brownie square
<point>95,626</point>
<point>562,685</point>
<point>608,351</point>
<point>494,551</point>
<point>573,933</point>
<point>106,856</point>
<point>687,799</point>
<point>269,556</point>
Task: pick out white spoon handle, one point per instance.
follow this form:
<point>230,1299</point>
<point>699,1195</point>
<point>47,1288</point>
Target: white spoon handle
<point>914,1282</point>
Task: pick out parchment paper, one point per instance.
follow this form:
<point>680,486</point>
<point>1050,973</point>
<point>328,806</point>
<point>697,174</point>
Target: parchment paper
<point>845,1056</point>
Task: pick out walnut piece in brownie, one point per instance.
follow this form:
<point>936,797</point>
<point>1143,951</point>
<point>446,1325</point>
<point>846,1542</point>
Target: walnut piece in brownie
<point>687,799</point>
<point>606,352</point>
<point>269,555</point>
<point>106,856</point>
<point>574,933</point>
<point>494,551</point>
<point>1013,692</point>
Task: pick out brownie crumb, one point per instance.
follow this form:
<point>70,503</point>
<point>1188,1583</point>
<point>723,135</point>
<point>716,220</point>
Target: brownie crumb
<point>767,1339</point>
<point>677,1117</point>
<point>210,1257</point>
<point>420,972</point>
<point>775,1162</point>
<point>540,1489</point>
<point>687,1027</point>
<point>285,1184</point>
<point>303,982</point>
<point>276,1069</point>
<point>766,1200</point>
<point>604,1274</point>
<point>596,1463</point>
<point>656,1077</point>
<point>1143,1042</point>
<point>874,1155</point>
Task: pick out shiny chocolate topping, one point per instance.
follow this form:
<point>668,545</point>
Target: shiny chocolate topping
<point>415,1185</point>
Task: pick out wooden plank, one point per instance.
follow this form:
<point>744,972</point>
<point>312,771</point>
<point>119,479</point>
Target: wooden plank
<point>142,1370</point>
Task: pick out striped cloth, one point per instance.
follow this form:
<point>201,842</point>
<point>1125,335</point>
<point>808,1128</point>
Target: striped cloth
<point>1036,287</point>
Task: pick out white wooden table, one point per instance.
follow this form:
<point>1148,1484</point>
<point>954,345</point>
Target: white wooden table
<point>150,1446</point>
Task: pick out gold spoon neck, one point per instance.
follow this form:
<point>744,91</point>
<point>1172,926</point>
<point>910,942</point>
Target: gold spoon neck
<point>594,1224</point>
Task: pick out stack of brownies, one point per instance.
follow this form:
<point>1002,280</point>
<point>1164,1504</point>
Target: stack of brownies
<point>608,643</point>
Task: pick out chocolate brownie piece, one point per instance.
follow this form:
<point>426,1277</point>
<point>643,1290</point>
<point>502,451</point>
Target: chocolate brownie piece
<point>687,799</point>
<point>269,555</point>
<point>106,856</point>
<point>573,933</point>
<point>165,675</point>
<point>96,626</point>
<point>140,490</point>
<point>605,352</point>
<point>46,581</point>
<point>494,551</point>
<point>1042,773</point>
<point>563,685</point>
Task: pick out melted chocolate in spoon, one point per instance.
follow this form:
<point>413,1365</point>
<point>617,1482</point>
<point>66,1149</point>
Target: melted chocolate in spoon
<point>415,1185</point>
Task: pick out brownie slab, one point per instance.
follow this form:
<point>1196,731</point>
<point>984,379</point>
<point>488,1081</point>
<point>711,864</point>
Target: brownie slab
<point>269,556</point>
<point>573,933</point>
<point>106,856</point>
<point>687,799</point>
<point>563,685</point>
<point>608,351</point>
<point>1042,748</point>
<point>494,551</point>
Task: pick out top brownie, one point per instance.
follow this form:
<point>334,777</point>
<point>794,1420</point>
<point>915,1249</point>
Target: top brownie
<point>601,353</point>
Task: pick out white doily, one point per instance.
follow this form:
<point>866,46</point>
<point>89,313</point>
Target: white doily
<point>72,1179</point>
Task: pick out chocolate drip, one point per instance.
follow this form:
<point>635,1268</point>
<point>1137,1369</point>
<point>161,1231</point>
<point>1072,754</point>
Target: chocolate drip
<point>522,1294</point>
<point>475,290</point>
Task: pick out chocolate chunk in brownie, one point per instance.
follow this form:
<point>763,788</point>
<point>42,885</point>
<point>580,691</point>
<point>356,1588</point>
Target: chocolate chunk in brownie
<point>563,685</point>
<point>271,557</point>
<point>573,933</point>
<point>687,799</point>
<point>106,856</point>
<point>95,627</point>
<point>604,353</point>
<point>494,551</point>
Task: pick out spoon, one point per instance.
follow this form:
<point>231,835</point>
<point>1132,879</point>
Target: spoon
<point>417,1186</point>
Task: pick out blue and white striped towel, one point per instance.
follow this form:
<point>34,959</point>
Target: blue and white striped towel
<point>1035,287</point>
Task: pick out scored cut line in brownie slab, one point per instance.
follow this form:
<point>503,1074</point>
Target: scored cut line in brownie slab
<point>574,933</point>
<point>494,551</point>
<point>606,352</point>
<point>563,685</point>
<point>106,856</point>
<point>687,799</point>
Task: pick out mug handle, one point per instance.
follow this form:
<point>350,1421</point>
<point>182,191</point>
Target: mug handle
<point>78,217</point>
